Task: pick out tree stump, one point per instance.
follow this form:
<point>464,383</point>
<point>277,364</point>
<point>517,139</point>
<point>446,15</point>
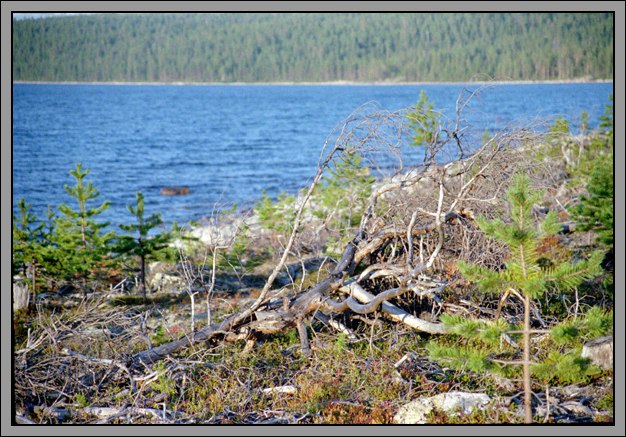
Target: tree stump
<point>21,294</point>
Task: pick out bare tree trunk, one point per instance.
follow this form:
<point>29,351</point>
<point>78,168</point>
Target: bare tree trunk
<point>528,410</point>
<point>33,266</point>
<point>212,287</point>
<point>143,276</point>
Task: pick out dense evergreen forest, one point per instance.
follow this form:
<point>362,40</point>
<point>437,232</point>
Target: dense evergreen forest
<point>274,47</point>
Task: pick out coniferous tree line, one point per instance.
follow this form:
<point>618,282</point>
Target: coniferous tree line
<point>272,47</point>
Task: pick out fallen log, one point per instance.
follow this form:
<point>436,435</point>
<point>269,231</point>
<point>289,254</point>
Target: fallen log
<point>276,320</point>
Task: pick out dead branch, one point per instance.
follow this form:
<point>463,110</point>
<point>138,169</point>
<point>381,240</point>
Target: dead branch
<point>429,221</point>
<point>336,325</point>
<point>398,314</point>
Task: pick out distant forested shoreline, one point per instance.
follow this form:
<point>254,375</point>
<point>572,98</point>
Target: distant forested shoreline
<point>314,47</point>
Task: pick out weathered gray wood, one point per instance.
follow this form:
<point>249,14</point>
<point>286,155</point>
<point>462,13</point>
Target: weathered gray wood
<point>275,320</point>
<point>21,295</point>
<point>397,313</point>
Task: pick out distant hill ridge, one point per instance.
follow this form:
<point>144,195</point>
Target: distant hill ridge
<point>313,47</point>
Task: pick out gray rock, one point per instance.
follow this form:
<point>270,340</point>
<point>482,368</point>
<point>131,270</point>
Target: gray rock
<point>160,267</point>
<point>21,294</point>
<point>162,282</point>
<point>576,408</point>
<point>417,411</point>
<point>600,352</point>
<point>571,391</point>
<point>218,233</point>
<point>162,276</point>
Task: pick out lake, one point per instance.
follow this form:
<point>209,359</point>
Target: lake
<point>227,143</point>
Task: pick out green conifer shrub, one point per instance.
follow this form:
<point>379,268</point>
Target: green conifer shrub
<point>79,246</point>
<point>595,210</point>
<point>28,251</point>
<point>525,275</point>
<point>423,122</point>
<point>276,215</point>
<point>559,128</point>
<point>340,199</point>
<point>606,119</point>
<point>24,237</point>
<point>142,245</point>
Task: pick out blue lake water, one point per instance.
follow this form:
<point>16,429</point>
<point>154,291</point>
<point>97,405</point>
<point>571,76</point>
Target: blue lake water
<point>227,143</point>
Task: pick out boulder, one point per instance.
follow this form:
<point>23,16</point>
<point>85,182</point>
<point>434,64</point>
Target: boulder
<point>160,267</point>
<point>163,282</point>
<point>175,191</point>
<point>162,276</point>
<point>417,411</point>
<point>576,408</point>
<point>222,233</point>
<point>600,352</point>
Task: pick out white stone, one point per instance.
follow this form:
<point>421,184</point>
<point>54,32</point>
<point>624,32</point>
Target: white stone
<point>164,282</point>
<point>417,411</point>
<point>221,234</point>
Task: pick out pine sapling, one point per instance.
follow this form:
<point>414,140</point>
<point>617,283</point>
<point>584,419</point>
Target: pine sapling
<point>143,245</point>
<point>79,241</point>
<point>595,210</point>
<point>423,122</point>
<point>27,247</point>
<point>525,274</point>
<point>341,197</point>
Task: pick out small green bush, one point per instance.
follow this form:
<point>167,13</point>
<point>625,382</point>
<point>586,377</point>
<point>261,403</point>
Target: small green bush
<point>595,210</point>
<point>144,246</point>
<point>525,274</point>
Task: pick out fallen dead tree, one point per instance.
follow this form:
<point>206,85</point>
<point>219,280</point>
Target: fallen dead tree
<point>387,258</point>
<point>265,320</point>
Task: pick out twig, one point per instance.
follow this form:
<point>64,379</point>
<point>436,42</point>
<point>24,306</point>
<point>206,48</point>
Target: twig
<point>409,238</point>
<point>106,361</point>
<point>407,356</point>
<point>335,324</point>
<point>438,226</point>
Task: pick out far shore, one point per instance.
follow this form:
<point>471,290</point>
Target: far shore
<point>331,83</point>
